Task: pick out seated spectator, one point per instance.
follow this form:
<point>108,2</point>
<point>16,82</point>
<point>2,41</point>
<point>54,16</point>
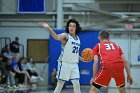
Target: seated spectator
<point>11,76</point>
<point>31,68</point>
<point>20,75</point>
<point>23,67</point>
<point>7,58</point>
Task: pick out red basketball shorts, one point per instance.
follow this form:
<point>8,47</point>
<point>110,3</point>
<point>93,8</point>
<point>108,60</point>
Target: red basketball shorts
<point>104,76</point>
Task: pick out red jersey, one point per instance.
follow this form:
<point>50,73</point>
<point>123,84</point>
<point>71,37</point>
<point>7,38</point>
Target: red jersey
<point>109,53</point>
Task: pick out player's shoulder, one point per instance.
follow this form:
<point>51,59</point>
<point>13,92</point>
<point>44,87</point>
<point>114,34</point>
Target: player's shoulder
<point>64,34</point>
<point>97,45</point>
<point>115,44</point>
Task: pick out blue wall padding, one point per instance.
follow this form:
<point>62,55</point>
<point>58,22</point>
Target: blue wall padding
<point>88,40</point>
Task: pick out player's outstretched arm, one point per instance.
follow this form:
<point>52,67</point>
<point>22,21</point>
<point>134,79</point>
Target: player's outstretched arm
<point>127,68</point>
<point>53,34</point>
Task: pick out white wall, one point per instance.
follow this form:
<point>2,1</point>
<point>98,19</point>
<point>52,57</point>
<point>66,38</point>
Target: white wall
<point>24,34</point>
<point>131,53</point>
<point>135,63</point>
<point>135,49</point>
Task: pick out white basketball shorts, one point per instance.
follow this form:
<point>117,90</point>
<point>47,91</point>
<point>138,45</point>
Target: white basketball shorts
<point>67,71</point>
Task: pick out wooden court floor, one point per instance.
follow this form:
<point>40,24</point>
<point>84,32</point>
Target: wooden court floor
<point>84,89</point>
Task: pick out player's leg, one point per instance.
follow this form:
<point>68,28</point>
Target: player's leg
<point>74,76</point>
<point>122,89</point>
<point>59,86</point>
<point>63,75</point>
<point>119,77</point>
<point>76,86</point>
<point>102,79</point>
<point>94,89</point>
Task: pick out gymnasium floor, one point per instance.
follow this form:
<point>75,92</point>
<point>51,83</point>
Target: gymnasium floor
<point>84,89</point>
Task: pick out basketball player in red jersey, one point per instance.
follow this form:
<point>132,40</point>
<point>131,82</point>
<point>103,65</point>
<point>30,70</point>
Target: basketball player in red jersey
<point>112,62</point>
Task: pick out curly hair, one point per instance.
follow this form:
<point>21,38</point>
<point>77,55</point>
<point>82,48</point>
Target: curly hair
<point>78,28</point>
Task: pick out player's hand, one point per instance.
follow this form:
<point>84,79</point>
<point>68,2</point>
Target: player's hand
<point>82,59</point>
<point>86,60</point>
<point>129,80</point>
<point>91,81</point>
<point>43,24</point>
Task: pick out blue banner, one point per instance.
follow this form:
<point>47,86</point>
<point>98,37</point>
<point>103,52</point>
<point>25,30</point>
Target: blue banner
<point>31,6</point>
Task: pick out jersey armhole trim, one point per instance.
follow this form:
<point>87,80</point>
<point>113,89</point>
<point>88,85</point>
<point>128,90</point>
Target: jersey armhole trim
<point>99,48</point>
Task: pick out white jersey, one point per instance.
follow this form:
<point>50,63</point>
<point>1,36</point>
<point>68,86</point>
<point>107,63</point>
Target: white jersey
<point>70,52</point>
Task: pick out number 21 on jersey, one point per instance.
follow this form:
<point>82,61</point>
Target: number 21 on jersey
<point>75,49</point>
<point>109,46</point>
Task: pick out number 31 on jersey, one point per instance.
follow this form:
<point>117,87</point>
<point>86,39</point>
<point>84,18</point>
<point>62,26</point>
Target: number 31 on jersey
<point>109,46</point>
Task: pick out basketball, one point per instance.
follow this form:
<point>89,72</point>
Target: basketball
<point>87,54</point>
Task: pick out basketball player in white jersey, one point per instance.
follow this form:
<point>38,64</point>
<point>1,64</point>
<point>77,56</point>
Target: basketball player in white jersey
<point>68,61</point>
